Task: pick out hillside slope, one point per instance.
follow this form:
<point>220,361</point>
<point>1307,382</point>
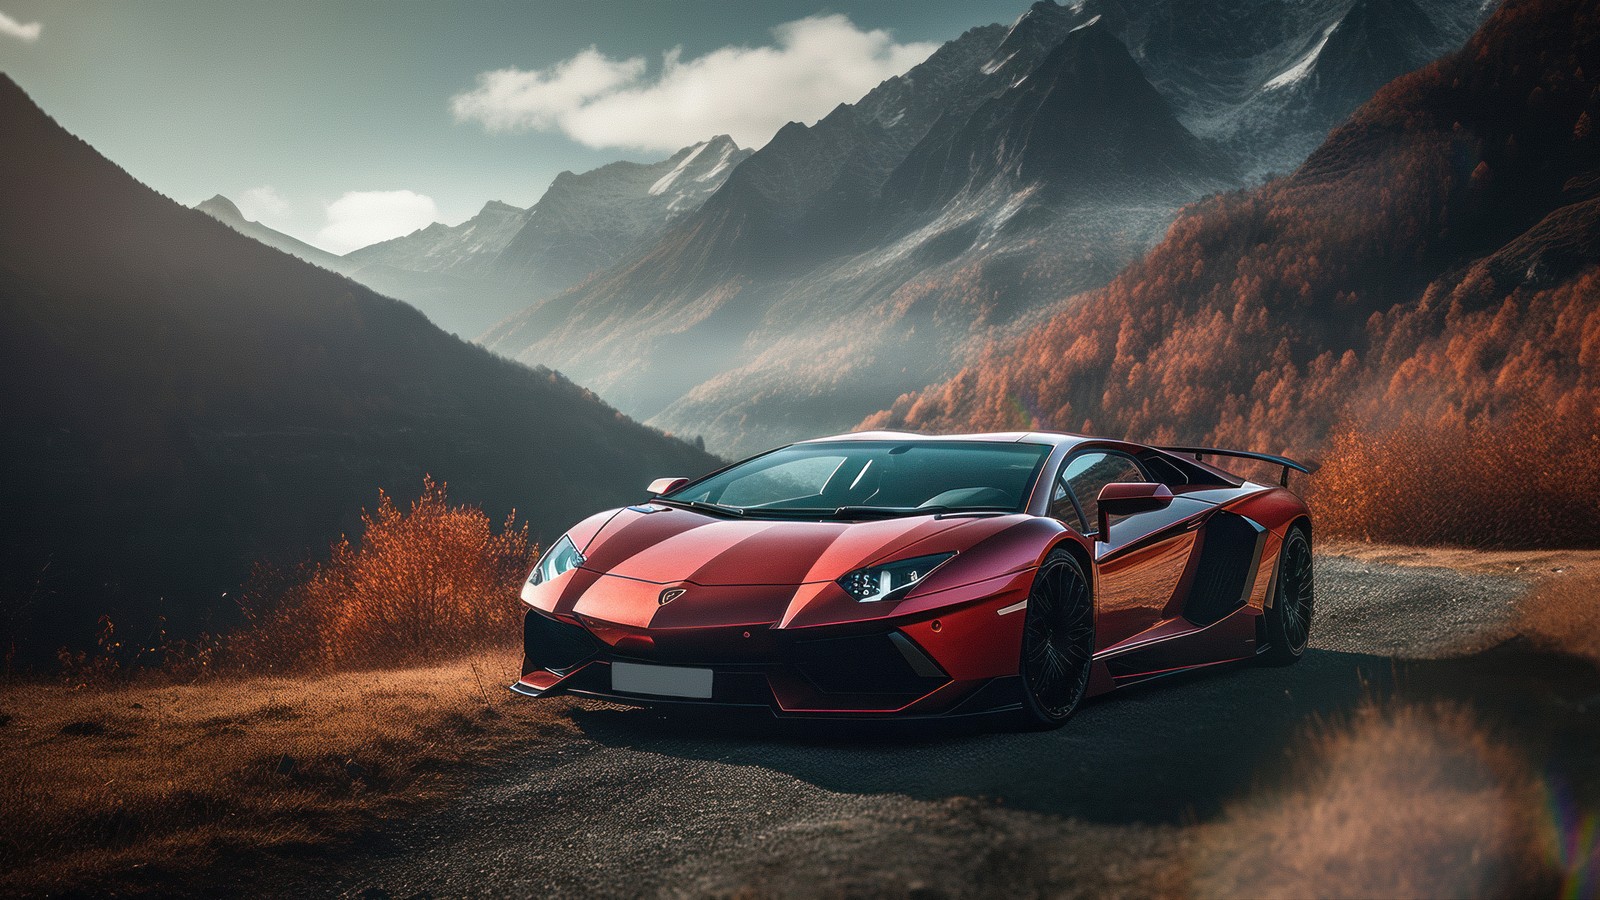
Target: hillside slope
<point>1434,260</point>
<point>181,401</point>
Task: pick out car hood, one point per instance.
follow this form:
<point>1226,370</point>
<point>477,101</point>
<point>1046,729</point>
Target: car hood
<point>668,545</point>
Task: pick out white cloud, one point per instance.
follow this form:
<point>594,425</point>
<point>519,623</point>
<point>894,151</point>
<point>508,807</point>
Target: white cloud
<point>263,204</point>
<point>749,93</point>
<point>360,218</point>
<point>12,28</point>
<point>511,99</point>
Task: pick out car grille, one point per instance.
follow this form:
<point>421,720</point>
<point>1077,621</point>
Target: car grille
<point>862,664</point>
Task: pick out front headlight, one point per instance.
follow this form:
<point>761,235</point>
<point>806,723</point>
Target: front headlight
<point>563,556</point>
<point>891,581</point>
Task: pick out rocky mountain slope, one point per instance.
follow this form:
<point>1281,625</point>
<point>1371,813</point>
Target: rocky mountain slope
<point>182,401</point>
<point>466,249</point>
<point>589,221</point>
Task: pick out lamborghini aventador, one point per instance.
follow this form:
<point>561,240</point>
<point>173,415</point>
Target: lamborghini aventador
<point>886,574</point>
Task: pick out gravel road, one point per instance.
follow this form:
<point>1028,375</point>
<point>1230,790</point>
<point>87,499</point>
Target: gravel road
<point>648,805</point>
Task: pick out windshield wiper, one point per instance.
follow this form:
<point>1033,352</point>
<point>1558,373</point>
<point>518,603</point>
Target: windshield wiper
<point>891,512</point>
<point>715,508</point>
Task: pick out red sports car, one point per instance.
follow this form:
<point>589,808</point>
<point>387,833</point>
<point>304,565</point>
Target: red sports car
<point>885,574</point>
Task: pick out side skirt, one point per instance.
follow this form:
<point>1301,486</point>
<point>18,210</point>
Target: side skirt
<point>1230,639</point>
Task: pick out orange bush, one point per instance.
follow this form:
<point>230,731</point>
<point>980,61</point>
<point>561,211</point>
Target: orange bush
<point>423,584</point>
<point>1523,482</point>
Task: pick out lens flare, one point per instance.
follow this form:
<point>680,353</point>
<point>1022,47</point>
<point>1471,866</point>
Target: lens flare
<point>1577,834</point>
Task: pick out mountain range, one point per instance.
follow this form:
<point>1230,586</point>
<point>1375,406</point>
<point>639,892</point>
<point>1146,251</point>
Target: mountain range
<point>1436,260</point>
<point>873,252</point>
<point>467,277</point>
<point>182,402</point>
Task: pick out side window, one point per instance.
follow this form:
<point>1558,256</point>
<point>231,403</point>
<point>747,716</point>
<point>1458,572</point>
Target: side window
<point>1085,475</point>
<point>1164,471</point>
<point>1062,506</point>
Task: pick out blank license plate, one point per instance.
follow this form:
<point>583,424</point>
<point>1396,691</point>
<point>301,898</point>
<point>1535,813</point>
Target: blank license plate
<point>664,681</point>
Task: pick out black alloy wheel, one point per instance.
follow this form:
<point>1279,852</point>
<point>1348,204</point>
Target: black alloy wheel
<point>1057,641</point>
<point>1287,622</point>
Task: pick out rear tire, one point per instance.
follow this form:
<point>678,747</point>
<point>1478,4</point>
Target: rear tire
<point>1057,642</point>
<point>1286,623</point>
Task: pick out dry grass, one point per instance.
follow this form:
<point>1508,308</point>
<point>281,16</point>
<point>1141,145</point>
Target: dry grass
<point>1563,614</point>
<point>146,784</point>
<point>1405,802</point>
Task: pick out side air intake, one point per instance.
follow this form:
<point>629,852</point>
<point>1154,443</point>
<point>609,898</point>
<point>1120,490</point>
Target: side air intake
<point>1230,552</point>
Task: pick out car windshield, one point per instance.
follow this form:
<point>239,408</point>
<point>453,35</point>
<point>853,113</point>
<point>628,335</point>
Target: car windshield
<point>863,479</point>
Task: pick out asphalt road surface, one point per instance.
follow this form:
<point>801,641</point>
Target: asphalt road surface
<point>648,805</point>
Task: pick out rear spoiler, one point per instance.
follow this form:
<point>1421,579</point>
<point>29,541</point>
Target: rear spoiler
<point>1200,453</point>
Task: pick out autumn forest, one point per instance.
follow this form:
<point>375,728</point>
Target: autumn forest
<point>1416,305</point>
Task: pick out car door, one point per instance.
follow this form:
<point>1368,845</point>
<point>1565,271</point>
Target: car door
<point>1139,569</point>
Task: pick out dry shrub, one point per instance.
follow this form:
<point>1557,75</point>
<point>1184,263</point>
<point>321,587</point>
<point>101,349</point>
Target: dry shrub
<point>1563,614</point>
<point>1409,802</point>
<point>424,584</point>
<point>1527,481</point>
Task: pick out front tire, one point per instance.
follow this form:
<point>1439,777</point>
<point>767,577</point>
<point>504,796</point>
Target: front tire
<point>1287,622</point>
<point>1057,642</point>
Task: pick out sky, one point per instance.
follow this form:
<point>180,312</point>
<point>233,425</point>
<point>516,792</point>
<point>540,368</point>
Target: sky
<point>346,122</point>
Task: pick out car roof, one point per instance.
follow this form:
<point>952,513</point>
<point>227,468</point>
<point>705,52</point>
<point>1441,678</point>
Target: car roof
<point>1053,438</point>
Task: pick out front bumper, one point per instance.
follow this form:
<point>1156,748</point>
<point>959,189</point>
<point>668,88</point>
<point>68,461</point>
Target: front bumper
<point>858,670</point>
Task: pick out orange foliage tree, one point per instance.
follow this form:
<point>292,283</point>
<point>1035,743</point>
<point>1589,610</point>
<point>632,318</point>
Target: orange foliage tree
<point>420,584</point>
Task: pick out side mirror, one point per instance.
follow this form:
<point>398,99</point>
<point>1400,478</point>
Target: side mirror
<point>668,485</point>
<point>1124,497</point>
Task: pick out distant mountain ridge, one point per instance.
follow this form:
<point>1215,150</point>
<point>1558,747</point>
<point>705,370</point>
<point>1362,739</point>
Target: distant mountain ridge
<point>227,212</point>
<point>854,259</point>
<point>460,304</point>
<point>469,276</point>
<point>466,249</point>
<point>182,401</point>
<point>586,222</point>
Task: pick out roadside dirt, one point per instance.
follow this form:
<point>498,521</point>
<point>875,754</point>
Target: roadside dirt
<point>1115,804</point>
